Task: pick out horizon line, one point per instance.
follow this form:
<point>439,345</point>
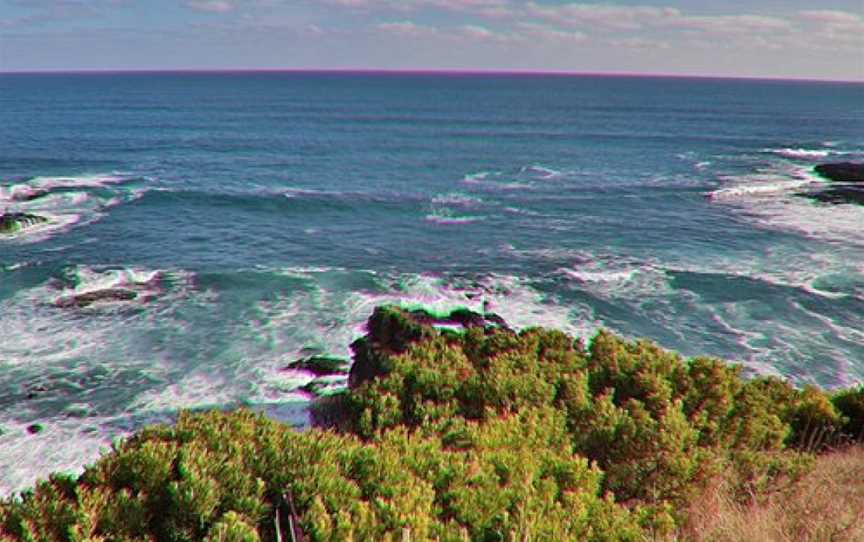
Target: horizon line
<point>412,71</point>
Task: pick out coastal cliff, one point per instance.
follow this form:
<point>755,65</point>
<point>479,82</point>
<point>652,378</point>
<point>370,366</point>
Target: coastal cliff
<point>456,427</point>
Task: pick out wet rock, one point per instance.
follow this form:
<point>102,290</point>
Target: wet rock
<point>35,428</point>
<point>28,194</point>
<point>14,222</point>
<point>844,172</point>
<point>320,365</point>
<point>847,184</point>
<point>321,387</point>
<point>88,298</point>
<point>839,195</point>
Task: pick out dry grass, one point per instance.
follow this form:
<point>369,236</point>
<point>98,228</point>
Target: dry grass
<point>825,505</point>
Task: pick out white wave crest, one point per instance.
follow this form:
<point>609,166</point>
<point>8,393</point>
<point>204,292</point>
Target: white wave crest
<point>803,154</point>
<point>476,177</point>
<point>456,198</point>
<point>97,180</point>
<point>446,217</point>
<point>64,201</point>
<point>91,280</point>
<point>765,184</point>
<point>542,171</point>
<point>599,276</point>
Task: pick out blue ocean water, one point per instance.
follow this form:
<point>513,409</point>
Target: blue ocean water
<point>261,216</point>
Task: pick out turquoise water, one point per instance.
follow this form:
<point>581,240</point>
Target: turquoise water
<point>259,217</point>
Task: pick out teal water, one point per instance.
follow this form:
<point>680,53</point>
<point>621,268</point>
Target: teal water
<point>259,217</point>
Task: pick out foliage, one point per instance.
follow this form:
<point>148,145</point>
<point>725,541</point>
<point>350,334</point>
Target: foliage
<point>483,434</point>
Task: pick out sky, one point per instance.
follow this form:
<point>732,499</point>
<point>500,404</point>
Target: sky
<point>758,38</point>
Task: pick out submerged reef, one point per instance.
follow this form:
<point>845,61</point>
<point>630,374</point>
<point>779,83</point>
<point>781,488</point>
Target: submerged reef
<point>455,427</point>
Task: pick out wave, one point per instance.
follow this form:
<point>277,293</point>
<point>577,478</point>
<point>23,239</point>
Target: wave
<point>457,198</point>
<point>599,276</point>
<point>99,180</point>
<point>447,217</point>
<point>542,171</point>
<point>523,178</point>
<point>611,277</point>
<point>803,154</point>
<point>766,183</point>
<point>493,181</point>
<point>64,201</point>
<point>772,199</point>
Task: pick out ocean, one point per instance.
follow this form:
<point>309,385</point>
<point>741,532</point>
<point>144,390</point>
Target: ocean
<point>259,217</point>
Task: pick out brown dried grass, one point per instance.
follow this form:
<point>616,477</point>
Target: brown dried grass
<point>827,504</point>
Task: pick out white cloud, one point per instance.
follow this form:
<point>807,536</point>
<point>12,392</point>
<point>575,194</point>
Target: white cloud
<point>406,28</point>
<point>540,33</point>
<point>601,15</point>
<point>830,16</point>
<point>731,24</point>
<point>484,8</point>
<point>477,32</point>
<point>211,6</point>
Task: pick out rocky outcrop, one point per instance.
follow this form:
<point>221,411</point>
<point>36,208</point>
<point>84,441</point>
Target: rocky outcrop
<point>321,365</point>
<point>11,223</point>
<point>322,387</point>
<point>391,330</point>
<point>28,194</point>
<point>842,172</point>
<point>846,186</point>
<point>88,298</point>
<point>840,194</point>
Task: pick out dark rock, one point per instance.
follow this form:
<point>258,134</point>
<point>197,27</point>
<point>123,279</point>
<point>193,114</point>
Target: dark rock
<point>15,222</point>
<point>844,187</point>
<point>497,320</point>
<point>35,428</point>
<point>322,365</point>
<point>29,195</point>
<point>88,298</point>
<point>844,172</point>
<point>838,195</point>
<point>320,387</point>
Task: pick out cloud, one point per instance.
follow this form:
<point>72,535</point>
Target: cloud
<point>406,29</point>
<point>731,24</point>
<point>485,8</point>
<point>601,15</point>
<point>539,33</point>
<point>830,16</point>
<point>477,32</point>
<point>211,6</point>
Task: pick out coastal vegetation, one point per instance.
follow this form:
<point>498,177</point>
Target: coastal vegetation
<point>455,427</point>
